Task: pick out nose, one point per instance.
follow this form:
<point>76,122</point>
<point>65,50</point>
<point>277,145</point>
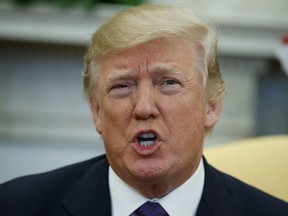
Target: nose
<point>145,102</point>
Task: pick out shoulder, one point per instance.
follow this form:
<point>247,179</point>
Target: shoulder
<point>67,174</point>
<point>242,197</point>
<point>49,187</point>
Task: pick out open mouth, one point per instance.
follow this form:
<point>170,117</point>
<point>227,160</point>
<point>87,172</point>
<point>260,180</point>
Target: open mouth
<point>146,139</point>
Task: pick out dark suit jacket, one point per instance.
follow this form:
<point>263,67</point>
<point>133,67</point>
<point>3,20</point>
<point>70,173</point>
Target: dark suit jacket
<point>82,190</point>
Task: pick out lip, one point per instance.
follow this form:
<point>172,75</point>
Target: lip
<point>146,150</point>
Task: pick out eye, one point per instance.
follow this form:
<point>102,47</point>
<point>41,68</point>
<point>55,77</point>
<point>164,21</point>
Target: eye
<point>120,86</point>
<point>120,90</point>
<point>170,82</point>
<point>169,86</point>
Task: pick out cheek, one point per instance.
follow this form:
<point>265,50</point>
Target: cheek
<point>190,111</point>
<point>115,118</point>
<point>186,122</point>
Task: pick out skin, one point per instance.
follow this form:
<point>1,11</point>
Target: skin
<point>153,87</point>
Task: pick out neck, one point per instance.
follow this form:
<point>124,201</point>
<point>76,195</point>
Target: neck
<point>158,189</point>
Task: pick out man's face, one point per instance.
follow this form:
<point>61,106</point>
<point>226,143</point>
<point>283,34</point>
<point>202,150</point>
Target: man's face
<point>152,114</point>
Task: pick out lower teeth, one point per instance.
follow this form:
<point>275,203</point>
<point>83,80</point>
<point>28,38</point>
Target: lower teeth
<point>146,143</point>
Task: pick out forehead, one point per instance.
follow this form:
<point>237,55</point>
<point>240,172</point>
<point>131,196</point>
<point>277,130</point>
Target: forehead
<point>153,56</point>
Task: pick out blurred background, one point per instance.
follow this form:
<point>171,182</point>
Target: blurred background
<point>45,121</point>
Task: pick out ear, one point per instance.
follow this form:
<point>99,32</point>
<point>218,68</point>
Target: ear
<point>213,112</point>
<point>95,109</point>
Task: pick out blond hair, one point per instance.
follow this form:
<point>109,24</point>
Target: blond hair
<point>137,25</point>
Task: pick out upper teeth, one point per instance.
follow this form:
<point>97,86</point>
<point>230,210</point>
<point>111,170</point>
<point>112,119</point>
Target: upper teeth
<point>147,135</point>
<point>147,139</point>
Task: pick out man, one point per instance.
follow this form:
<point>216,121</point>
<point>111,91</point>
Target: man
<point>154,87</point>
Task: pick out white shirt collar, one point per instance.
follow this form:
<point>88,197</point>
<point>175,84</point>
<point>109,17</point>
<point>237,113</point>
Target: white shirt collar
<point>183,201</point>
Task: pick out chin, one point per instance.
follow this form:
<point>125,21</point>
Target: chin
<point>149,171</point>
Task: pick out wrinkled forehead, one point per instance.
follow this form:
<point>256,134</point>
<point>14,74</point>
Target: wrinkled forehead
<point>157,56</point>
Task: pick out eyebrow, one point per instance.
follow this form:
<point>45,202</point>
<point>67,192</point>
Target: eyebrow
<point>155,69</point>
<point>162,68</point>
<point>119,75</point>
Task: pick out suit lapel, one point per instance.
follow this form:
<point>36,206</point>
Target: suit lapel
<point>91,196</point>
<point>215,199</point>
